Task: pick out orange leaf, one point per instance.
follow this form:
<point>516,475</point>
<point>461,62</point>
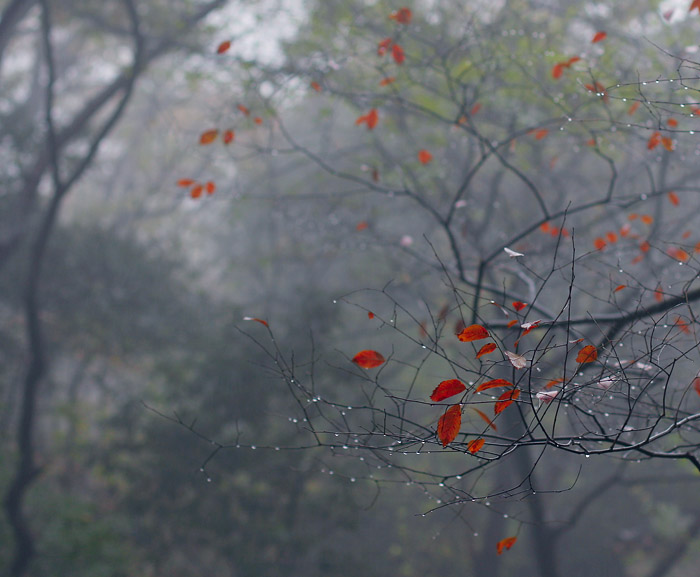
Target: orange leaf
<point>654,141</point>
<point>572,60</point>
<point>673,198</point>
<point>362,225</point>
<point>505,400</point>
<point>447,389</point>
<point>397,54</point>
<point>694,6</point>
<point>210,187</point>
<point>383,46</point>
<point>515,321</point>
<point>316,86</point>
<point>632,216</point>
<point>449,424</point>
<point>486,349</point>
<point>612,237</point>
<point>599,243</point>
<point>541,133</point>
<point>645,246</point>
<point>672,122</point>
<point>696,385</point>
<point>686,235</point>
<point>208,136</point>
<point>647,219</point>
<point>196,191</point>
<point>551,384</point>
<point>545,226</point>
<point>262,322</point>
<point>493,384</point>
<point>228,136</point>
<point>386,81</point>
<point>488,421</point>
<point>185,182</point>
<point>667,143</point>
<point>258,120</point>
<point>473,333</point>
<point>370,119</point>
<point>618,288</point>
<point>368,359</point>
<point>370,315</point>
<point>223,47</point>
<point>679,254</point>
<point>505,544</point>
<point>587,354</point>
<point>424,156</point>
<point>633,108</point>
<point>557,70</point>
<point>402,15</point>
<point>243,109</point>
<point>475,446</point>
<point>599,37</point>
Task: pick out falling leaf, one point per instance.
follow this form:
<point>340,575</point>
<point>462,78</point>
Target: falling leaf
<point>223,47</point>
<point>673,198</point>
<point>512,253</point>
<point>599,37</point>
<point>370,119</point>
<point>486,349</point>
<point>197,191</point>
<point>449,424</point>
<point>633,108</point>
<point>505,544</point>
<point>397,54</point>
<point>493,384</point>
<point>488,421</point>
<point>505,400</point>
<point>208,136</point>
<point>402,16</point>
<point>599,243</point>
<point>262,322</point>
<point>518,361</point>
<point>228,136</point>
<point>473,333</point>
<point>447,389</point>
<point>185,182</point>
<point>528,327</point>
<point>243,109</point>
<point>424,156</point>
<point>518,305</point>
<point>362,225</point>
<point>368,359</point>
<point>388,80</point>
<point>475,446</point>
<point>619,287</point>
<point>370,315</point>
<point>587,354</point>
<point>383,46</point>
<point>316,86</point>
<point>546,396</point>
<point>210,187</point>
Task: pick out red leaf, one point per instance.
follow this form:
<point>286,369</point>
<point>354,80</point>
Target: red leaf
<point>633,108</point>
<point>398,54</point>
<point>658,294</point>
<point>654,141</point>
<point>370,119</point>
<point>512,323</point>
<point>316,86</point>
<point>505,544</point>
<point>449,424</point>
<point>599,243</point>
<point>505,400</point>
<point>572,60</point>
<point>647,219</point>
<point>258,120</point>
<point>402,15</point>
<point>424,156</point>
<point>386,81</point>
<point>618,288</point>
<point>185,182</point>
<point>493,384</point>
<point>486,349</point>
<point>679,254</point>
<point>196,191</point>
<point>541,133</point>
<point>599,37</point>
<point>694,6</point>
<point>262,322</point>
<point>475,446</point>
<point>362,225</point>
<point>243,109</point>
<point>210,187</point>
<point>667,143</point>
<point>587,354</point>
<point>557,70</point>
<point>447,389</point>
<point>370,315</point>
<point>473,333</point>
<point>368,359</point>
<point>208,136</point>
<point>696,385</point>
<point>612,237</point>
<point>518,306</point>
<point>383,46</point>
<point>228,136</point>
<point>488,421</point>
<point>475,109</point>
<point>673,198</point>
<point>672,122</point>
<point>223,47</point>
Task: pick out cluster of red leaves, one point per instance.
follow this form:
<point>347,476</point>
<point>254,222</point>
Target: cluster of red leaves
<point>197,189</point>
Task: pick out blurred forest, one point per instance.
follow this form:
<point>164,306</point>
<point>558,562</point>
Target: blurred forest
<point>148,429</point>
